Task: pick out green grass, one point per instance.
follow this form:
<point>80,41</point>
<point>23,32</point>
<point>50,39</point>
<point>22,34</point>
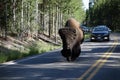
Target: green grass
<point>35,48</point>
<point>87,35</point>
<point>3,57</point>
<point>41,47</point>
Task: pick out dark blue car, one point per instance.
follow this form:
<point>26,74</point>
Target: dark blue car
<point>100,33</point>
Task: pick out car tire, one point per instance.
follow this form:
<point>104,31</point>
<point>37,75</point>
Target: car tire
<point>108,39</point>
<point>91,40</point>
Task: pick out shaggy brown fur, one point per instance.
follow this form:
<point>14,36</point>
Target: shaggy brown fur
<point>72,37</point>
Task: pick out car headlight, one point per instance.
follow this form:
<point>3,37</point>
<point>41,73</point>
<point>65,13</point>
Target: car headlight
<point>105,37</point>
<point>92,38</point>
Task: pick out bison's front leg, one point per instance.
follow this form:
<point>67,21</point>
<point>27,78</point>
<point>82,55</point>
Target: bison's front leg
<point>75,52</point>
<point>67,54</point>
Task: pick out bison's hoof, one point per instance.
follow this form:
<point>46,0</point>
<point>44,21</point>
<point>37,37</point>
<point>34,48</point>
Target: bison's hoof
<point>69,59</point>
<point>73,59</point>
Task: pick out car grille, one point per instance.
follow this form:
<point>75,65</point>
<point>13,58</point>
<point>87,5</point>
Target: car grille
<point>99,34</point>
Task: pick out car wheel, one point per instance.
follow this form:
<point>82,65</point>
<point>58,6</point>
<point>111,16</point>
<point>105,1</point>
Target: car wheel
<point>91,40</point>
<point>108,39</point>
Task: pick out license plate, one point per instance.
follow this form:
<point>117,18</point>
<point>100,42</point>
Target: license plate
<point>99,37</point>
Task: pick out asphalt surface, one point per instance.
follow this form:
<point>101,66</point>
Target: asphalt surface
<point>98,61</point>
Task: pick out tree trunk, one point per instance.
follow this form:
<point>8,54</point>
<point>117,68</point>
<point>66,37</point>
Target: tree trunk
<point>6,26</point>
<point>50,20</point>
<point>21,27</point>
<point>14,15</point>
<point>56,23</point>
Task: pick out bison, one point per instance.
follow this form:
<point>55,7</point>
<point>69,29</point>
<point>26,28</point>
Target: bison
<point>72,37</point>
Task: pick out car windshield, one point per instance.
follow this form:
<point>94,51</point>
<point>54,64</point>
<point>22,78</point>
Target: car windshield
<point>100,29</point>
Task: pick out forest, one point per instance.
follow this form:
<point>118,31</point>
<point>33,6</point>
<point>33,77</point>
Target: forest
<point>104,12</point>
<point>25,18</point>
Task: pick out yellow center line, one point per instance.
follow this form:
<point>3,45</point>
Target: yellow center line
<point>106,56</point>
<point>100,65</point>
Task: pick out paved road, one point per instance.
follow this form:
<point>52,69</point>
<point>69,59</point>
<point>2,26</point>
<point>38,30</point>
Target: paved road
<point>98,61</point>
